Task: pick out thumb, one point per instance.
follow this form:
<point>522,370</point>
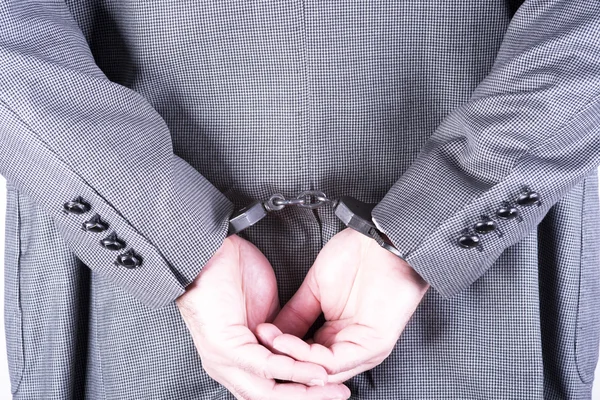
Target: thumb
<point>303,309</point>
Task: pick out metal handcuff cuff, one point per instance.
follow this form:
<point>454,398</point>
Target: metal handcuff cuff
<point>353,213</point>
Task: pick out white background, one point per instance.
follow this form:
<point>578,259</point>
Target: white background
<point>4,380</point>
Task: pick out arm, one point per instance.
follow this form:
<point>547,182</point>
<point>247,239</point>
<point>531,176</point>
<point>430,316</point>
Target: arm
<point>66,131</point>
<point>534,121</point>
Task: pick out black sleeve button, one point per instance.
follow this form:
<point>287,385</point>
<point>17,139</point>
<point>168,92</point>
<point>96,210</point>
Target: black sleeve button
<point>77,206</point>
<point>528,198</point>
<point>468,240</point>
<point>129,259</point>
<point>95,224</point>
<point>506,211</point>
<point>112,242</point>
<point>486,225</point>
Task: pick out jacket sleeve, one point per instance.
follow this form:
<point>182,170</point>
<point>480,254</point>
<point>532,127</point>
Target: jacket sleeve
<point>530,130</point>
<point>99,159</point>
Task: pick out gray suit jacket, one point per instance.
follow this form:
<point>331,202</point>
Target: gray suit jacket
<point>161,117</point>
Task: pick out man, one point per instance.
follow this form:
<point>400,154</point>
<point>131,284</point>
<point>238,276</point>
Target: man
<point>133,130</point>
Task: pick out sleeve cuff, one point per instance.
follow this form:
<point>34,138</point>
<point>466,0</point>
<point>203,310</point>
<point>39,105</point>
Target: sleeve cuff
<point>424,217</point>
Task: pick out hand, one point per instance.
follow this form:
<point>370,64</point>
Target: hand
<point>367,295</point>
<point>235,291</point>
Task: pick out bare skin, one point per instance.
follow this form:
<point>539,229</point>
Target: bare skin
<point>235,292</point>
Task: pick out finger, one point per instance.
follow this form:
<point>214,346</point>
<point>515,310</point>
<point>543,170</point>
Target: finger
<point>294,391</point>
<point>249,387</point>
<point>266,333</point>
<point>344,376</point>
<point>298,314</point>
<point>258,360</point>
<point>341,356</point>
<point>328,333</point>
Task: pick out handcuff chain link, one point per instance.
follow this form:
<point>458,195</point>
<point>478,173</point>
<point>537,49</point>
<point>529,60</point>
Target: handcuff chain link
<point>307,199</point>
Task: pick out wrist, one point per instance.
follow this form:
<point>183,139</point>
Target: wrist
<point>412,277</point>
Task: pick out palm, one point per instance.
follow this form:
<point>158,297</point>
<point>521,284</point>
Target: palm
<point>237,290</point>
<point>357,283</point>
<point>247,287</point>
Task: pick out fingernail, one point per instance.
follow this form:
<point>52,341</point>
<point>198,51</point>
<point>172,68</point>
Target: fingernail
<point>317,382</point>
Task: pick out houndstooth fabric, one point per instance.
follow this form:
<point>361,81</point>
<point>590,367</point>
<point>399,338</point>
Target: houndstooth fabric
<point>167,115</point>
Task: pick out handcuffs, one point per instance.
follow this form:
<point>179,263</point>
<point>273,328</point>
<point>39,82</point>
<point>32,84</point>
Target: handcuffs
<point>352,212</point>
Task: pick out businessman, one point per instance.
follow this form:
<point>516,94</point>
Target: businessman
<point>132,134</point>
